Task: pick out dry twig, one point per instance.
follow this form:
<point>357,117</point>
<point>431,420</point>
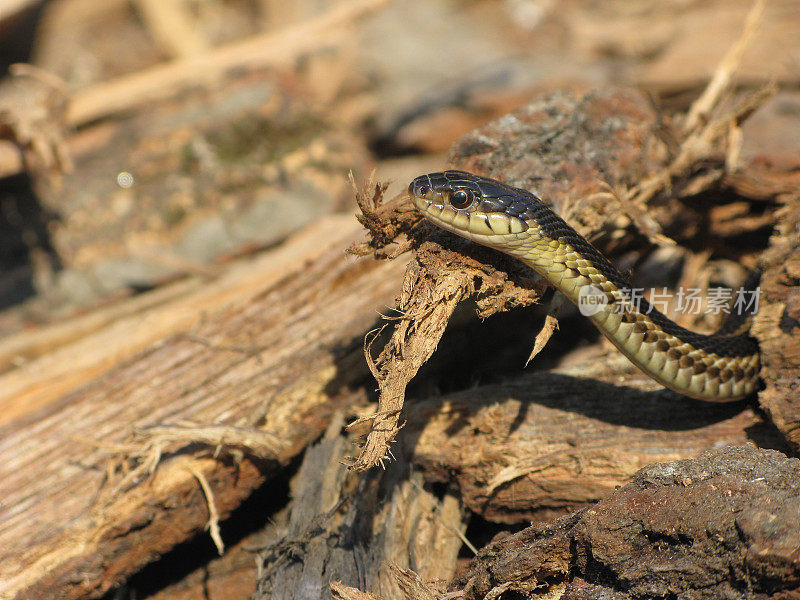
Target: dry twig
<point>213,514</point>
<point>722,79</point>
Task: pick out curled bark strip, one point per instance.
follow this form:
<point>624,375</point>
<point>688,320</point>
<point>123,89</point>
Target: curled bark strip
<point>549,327</point>
<point>435,282</point>
<point>426,303</point>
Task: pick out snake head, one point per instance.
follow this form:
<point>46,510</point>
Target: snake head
<point>472,206</point>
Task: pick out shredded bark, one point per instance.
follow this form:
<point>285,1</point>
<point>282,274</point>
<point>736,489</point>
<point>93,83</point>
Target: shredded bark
<point>435,282</point>
<point>33,105</point>
<point>777,324</point>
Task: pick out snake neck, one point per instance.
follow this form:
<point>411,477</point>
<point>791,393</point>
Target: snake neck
<point>708,367</point>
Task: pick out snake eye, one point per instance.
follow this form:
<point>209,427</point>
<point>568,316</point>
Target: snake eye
<point>461,199</point>
<point>422,190</point>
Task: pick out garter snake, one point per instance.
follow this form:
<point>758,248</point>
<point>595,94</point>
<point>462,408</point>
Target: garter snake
<point>719,367</point>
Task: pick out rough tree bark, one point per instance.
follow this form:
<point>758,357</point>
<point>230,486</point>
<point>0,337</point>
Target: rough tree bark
<point>724,525</point>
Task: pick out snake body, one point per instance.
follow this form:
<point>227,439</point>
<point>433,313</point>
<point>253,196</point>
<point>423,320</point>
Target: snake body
<point>720,367</point>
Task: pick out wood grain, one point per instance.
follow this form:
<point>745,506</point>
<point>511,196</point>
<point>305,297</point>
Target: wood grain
<point>274,343</point>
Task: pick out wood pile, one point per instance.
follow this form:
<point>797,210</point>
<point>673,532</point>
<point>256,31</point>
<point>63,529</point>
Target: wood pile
<point>233,364</point>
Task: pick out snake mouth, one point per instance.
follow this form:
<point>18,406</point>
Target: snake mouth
<point>461,210</point>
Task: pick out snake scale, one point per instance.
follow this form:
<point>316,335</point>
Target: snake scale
<point>719,367</point>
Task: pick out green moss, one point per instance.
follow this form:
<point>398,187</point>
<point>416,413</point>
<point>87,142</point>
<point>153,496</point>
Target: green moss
<point>174,215</point>
<point>261,140</point>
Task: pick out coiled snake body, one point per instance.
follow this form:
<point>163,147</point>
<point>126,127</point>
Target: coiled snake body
<point>719,367</point>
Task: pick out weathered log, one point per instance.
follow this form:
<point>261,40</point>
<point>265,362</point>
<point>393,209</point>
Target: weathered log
<point>541,445</point>
<point>350,528</point>
<point>143,322</point>
<point>278,346</point>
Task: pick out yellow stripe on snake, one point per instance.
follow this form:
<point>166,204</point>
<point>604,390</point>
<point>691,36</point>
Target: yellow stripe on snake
<point>719,367</point>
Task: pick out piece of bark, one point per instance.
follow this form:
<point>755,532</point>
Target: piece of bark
<point>282,353</point>
<point>772,174</point>
<point>346,527</point>
<point>723,525</point>
<point>546,443</point>
<point>568,147</point>
<point>777,324</point>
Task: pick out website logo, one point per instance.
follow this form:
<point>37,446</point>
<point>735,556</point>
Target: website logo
<point>591,300</point>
